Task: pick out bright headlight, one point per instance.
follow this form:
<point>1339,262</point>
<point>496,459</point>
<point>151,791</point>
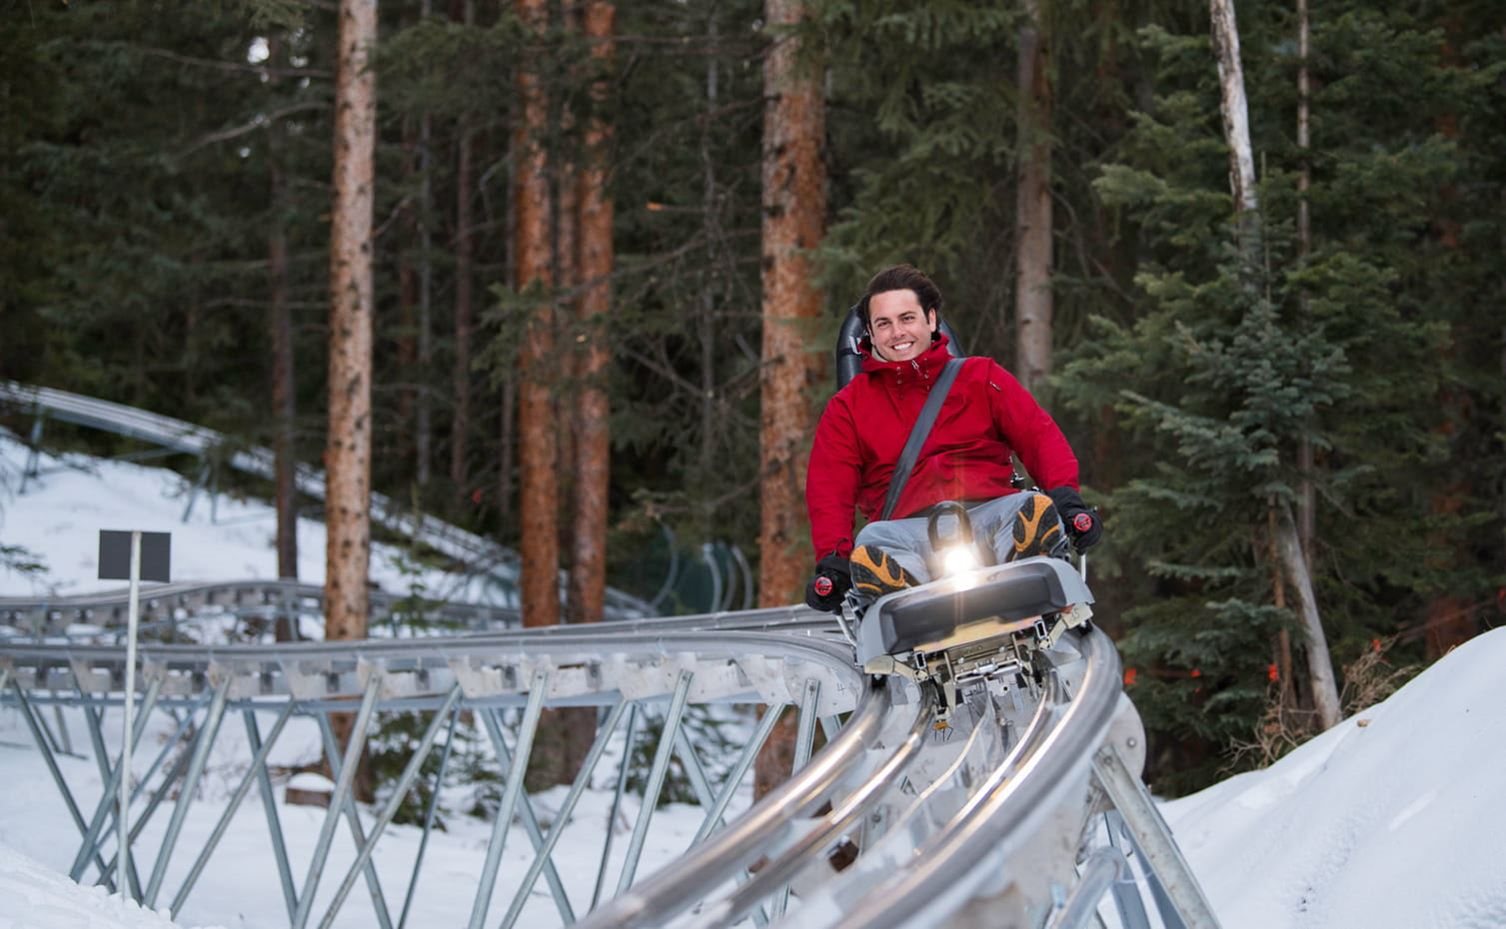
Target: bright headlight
<point>959,559</point>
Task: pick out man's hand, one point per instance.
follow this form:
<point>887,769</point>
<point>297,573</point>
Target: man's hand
<point>1082,523</point>
<point>832,580</point>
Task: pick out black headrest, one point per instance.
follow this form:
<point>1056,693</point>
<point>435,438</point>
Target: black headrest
<point>849,362</point>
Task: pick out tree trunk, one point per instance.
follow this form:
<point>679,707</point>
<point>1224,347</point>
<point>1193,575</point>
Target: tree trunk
<point>1236,121</point>
<point>1236,118</point>
<point>794,214</point>
<point>284,409</point>
<point>348,448</point>
<point>1282,651</point>
<point>566,182</point>
<point>464,316</point>
<point>419,301</point>
<point>538,477</point>
<point>507,454</point>
<point>706,328</point>
<point>423,425</point>
<point>1033,222</point>
<point>585,255</point>
<point>1306,499</point>
<point>410,380</point>
<point>464,312</point>
<point>1448,618</point>
<point>1319,664</point>
<point>592,409</point>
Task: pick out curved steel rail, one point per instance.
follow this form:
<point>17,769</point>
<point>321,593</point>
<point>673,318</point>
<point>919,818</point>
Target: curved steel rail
<point>984,828</point>
<point>480,553</point>
<point>171,610</point>
<point>977,846</point>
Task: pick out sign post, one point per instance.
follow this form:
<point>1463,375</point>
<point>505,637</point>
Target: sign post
<point>133,556</point>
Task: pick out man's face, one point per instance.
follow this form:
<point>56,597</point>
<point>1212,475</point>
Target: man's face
<point>900,329</point>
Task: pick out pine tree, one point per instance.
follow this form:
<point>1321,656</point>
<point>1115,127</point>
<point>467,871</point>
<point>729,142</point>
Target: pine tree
<point>593,404</point>
<point>347,458</point>
<point>686,322</point>
<point>1230,378</point>
<point>538,487</point>
<point>1033,297</point>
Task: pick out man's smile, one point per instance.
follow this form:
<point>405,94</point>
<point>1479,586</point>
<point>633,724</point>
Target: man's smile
<point>900,326</point>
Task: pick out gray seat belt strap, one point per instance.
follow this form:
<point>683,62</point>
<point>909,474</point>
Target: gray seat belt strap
<point>918,434</point>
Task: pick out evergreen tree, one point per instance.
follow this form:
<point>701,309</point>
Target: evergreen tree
<point>923,136</point>
<point>1229,379</point>
<point>685,326</point>
<point>145,167</point>
<point>925,153</point>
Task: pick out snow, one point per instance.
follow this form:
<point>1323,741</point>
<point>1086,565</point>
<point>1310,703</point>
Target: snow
<point>57,516</point>
<point>34,896</point>
<point>38,838</point>
<point>1395,819</point>
<point>311,781</point>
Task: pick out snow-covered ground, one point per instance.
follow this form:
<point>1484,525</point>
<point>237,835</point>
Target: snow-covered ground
<point>37,837</point>
<point>34,896</point>
<point>57,518</point>
<point>1394,820</point>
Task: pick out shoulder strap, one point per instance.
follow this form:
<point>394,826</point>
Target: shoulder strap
<point>918,434</point>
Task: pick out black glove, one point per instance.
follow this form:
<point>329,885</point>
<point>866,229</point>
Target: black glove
<point>833,579</point>
<point>1082,523</point>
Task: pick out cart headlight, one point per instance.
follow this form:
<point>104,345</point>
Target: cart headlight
<point>959,559</point>
<point>951,534</point>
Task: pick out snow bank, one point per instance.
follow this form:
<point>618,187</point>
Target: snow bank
<point>1396,818</point>
<point>35,897</point>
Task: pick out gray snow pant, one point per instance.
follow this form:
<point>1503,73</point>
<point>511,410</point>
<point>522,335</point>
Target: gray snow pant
<point>908,542</point>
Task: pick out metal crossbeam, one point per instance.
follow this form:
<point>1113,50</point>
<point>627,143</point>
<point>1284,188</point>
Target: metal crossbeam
<point>399,791</point>
<point>577,790</point>
<point>517,769</point>
<point>655,784</point>
<point>260,751</point>
<point>935,818</point>
<point>423,843</point>
<point>346,777</point>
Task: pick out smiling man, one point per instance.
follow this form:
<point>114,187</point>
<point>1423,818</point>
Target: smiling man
<point>967,457</point>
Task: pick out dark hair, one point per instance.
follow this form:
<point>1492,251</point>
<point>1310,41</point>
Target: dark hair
<point>902,277</point>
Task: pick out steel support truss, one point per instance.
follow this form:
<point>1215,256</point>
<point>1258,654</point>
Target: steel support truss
<point>1023,808</point>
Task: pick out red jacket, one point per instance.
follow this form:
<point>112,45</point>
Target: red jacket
<point>986,415</point>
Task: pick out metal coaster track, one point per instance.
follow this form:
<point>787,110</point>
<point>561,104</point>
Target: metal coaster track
<point>1025,810</point>
<point>170,610</point>
<point>986,822</point>
<point>480,554</point>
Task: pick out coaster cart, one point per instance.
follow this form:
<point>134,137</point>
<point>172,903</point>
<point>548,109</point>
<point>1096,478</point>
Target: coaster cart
<point>976,628</point>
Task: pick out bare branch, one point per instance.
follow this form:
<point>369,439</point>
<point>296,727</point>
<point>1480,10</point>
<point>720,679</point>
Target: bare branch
<point>239,67</point>
<point>258,122</point>
<point>659,368</point>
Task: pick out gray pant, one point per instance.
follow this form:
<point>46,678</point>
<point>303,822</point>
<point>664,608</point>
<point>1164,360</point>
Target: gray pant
<point>908,541</point>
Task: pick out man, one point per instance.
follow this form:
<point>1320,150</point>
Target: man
<point>966,457</point>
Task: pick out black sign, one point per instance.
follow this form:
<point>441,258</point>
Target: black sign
<point>115,555</point>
